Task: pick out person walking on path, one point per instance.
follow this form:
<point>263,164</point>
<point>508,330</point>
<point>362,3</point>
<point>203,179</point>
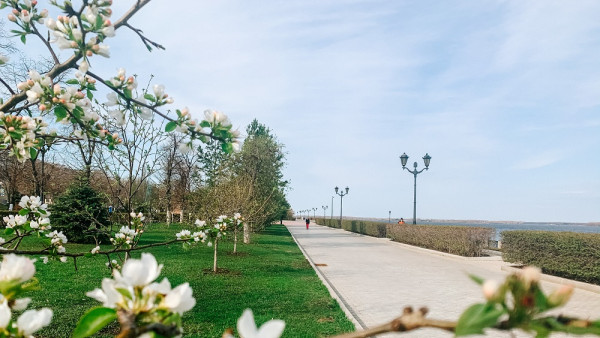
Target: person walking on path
<point>307,222</point>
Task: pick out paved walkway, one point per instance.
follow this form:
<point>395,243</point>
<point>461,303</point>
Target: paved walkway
<point>374,279</point>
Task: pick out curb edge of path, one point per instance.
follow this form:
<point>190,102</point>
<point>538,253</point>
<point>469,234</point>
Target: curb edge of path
<point>560,280</point>
<point>359,324</point>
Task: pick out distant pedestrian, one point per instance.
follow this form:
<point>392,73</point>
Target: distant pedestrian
<point>307,222</point>
<point>401,221</point>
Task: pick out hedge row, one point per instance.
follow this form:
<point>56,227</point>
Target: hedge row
<point>565,254</point>
<point>464,241</point>
<point>457,240</point>
<point>375,229</point>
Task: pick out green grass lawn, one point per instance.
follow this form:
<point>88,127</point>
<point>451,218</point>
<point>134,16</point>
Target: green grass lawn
<point>270,276</point>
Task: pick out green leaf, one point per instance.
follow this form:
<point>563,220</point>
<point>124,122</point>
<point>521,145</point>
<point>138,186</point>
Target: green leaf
<point>149,97</point>
<point>170,126</point>
<point>227,148</point>
<point>33,153</point>
<point>93,321</point>
<point>88,255</point>
<point>127,93</point>
<point>23,39</point>
<point>476,318</point>
<point>60,112</point>
<point>477,279</point>
<point>9,231</point>
<point>125,293</point>
<point>90,95</point>
<point>541,302</point>
<point>205,124</point>
<point>72,82</point>
<point>23,212</point>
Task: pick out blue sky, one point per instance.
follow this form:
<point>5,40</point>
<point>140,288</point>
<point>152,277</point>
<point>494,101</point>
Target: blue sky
<point>504,95</point>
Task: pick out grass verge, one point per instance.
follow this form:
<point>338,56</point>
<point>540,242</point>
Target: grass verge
<point>270,276</point>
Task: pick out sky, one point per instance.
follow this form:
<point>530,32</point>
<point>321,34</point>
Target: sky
<point>503,95</point>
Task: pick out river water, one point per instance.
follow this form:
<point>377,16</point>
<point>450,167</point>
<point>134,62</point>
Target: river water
<point>500,227</point>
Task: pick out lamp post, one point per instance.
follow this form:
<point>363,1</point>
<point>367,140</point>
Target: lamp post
<point>331,207</point>
<point>324,208</point>
<point>415,172</point>
<point>341,194</point>
<point>390,216</point>
<point>314,212</point>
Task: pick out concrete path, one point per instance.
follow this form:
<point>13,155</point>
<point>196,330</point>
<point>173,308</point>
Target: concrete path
<point>374,279</point>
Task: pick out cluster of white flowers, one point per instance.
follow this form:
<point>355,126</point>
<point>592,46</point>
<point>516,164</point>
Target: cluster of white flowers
<point>57,241</point>
<point>198,236</point>
<point>133,290</point>
<point>247,327</point>
<point>14,271</point>
<point>12,221</point>
<point>33,216</point>
<point>18,133</point>
<point>69,35</point>
<point>124,237</point>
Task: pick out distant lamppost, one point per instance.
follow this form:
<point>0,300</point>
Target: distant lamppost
<point>331,207</point>
<point>390,216</point>
<point>314,212</point>
<point>324,208</point>
<point>415,172</point>
<point>341,194</point>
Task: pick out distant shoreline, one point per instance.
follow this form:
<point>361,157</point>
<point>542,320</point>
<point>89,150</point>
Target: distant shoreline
<point>469,221</point>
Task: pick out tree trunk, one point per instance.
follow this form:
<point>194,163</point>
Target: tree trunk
<point>215,256</point>
<point>181,215</point>
<point>235,238</point>
<point>168,217</point>
<point>246,233</point>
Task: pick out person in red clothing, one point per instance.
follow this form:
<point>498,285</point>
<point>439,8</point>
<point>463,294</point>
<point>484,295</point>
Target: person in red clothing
<point>307,222</point>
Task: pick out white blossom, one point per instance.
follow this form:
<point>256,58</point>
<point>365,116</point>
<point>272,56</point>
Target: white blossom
<point>141,272</point>
<point>21,304</point>
<point>16,268</point>
<point>179,299</point>
<point>95,250</point>
<point>247,327</point>
<point>4,314</point>
<point>3,59</point>
<point>33,320</point>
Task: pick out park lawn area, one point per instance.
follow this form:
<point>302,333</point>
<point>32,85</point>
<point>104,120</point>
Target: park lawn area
<point>270,276</point>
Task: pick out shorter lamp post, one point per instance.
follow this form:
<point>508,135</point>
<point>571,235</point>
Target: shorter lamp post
<point>314,212</point>
<point>324,208</point>
<point>415,172</point>
<point>341,194</point>
<point>390,216</point>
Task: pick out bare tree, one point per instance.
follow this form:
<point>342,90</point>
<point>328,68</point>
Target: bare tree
<point>128,168</point>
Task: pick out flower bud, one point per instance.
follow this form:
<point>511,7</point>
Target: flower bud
<point>560,296</point>
<point>15,11</point>
<point>42,107</point>
<point>530,275</point>
<point>490,289</point>
<point>12,18</point>
<point>56,89</point>
<point>107,23</point>
<point>10,129</point>
<point>30,83</point>
<point>89,53</point>
<point>34,2</point>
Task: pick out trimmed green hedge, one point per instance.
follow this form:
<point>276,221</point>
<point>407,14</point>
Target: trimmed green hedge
<point>375,229</point>
<point>457,240</point>
<point>566,254</point>
<point>464,241</point>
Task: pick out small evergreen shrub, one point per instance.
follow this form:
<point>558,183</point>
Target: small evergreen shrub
<point>566,254</point>
<point>81,213</point>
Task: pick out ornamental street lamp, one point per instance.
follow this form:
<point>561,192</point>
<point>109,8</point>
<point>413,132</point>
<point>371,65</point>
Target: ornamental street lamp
<point>324,208</point>
<point>341,194</point>
<point>390,216</point>
<point>314,212</point>
<point>415,172</point>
